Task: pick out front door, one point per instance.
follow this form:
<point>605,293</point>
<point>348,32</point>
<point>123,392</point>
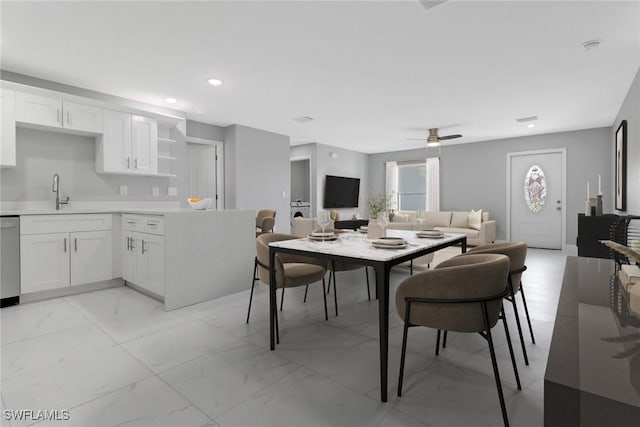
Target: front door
<point>536,198</point>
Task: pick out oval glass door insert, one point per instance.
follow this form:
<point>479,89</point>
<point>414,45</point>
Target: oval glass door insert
<point>535,189</point>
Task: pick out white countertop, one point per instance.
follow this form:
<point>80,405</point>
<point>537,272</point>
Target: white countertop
<point>145,211</point>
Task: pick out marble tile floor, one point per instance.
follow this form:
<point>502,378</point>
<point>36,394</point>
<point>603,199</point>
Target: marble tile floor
<point>115,357</point>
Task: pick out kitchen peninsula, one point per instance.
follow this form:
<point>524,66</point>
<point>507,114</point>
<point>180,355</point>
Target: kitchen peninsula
<point>178,256</point>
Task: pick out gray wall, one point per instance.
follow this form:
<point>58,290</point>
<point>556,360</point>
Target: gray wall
<point>347,163</point>
<point>630,111</point>
<point>40,154</point>
<point>472,176</point>
<point>300,180</point>
<point>257,172</point>
<point>205,130</point>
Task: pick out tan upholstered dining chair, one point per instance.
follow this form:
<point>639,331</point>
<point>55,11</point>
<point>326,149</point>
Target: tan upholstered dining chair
<point>462,294</point>
<point>517,253</point>
<point>265,221</point>
<point>291,270</point>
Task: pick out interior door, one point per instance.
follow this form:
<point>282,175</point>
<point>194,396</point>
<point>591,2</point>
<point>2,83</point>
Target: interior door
<point>538,223</point>
<point>202,171</point>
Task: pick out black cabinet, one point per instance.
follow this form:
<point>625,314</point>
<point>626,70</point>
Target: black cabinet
<point>591,229</point>
<point>351,224</point>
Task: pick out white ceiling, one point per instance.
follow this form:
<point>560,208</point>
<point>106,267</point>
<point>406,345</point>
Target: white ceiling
<point>370,73</point>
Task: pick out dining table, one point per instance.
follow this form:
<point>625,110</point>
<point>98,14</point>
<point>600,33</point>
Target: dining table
<point>355,248</point>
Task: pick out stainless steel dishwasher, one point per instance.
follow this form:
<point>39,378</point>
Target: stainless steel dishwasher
<point>9,260</point>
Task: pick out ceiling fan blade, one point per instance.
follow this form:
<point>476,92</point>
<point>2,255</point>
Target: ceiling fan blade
<point>442,138</point>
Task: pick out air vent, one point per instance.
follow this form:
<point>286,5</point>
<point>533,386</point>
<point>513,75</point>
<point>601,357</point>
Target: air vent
<point>303,119</point>
<point>527,119</point>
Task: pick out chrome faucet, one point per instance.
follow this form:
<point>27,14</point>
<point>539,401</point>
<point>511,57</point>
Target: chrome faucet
<point>56,189</point>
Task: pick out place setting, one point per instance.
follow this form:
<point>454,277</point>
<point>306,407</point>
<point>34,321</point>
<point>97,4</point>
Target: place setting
<point>324,220</point>
<point>390,243</point>
<point>430,234</point>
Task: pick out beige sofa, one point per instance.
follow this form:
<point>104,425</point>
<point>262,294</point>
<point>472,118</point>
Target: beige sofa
<point>448,222</point>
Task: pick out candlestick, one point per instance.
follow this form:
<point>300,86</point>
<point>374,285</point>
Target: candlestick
<point>599,186</point>
<point>587,190</point>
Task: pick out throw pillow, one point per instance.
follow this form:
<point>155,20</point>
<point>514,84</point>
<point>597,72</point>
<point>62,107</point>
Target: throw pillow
<point>475,219</point>
<point>400,218</point>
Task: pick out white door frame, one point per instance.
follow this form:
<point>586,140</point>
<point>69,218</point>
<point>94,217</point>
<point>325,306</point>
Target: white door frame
<point>310,158</point>
<point>563,152</point>
<point>219,165</point>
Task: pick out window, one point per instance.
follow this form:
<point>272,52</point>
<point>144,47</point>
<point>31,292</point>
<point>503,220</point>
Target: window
<point>412,186</point>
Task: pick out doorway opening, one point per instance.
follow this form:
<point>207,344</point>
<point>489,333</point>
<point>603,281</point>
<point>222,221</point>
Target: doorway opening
<point>205,174</point>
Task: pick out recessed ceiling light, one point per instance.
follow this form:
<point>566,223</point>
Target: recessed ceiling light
<point>527,119</point>
<point>591,45</point>
<point>170,100</point>
<point>531,125</point>
<point>214,82</point>
<point>302,119</point>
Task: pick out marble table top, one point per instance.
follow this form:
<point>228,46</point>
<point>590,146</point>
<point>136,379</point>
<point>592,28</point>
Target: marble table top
<point>356,245</point>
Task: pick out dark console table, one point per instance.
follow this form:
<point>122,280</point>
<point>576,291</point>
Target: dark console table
<point>591,229</point>
<point>593,369</point>
<point>351,224</point>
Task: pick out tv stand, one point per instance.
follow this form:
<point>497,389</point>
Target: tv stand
<point>351,224</point>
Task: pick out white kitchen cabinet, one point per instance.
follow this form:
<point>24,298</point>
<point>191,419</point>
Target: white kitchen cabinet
<point>44,262</point>
<point>143,260</point>
<point>90,254</point>
<point>57,113</point>
<point>129,145</point>
<point>7,127</point>
<point>58,251</point>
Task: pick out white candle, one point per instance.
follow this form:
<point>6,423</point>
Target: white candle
<point>599,186</point>
<point>587,190</point>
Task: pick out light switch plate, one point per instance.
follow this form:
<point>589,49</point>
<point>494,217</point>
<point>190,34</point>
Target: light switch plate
<point>155,191</point>
<point>172,191</point>
<point>123,190</point>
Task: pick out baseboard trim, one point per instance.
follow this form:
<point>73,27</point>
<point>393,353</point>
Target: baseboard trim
<point>71,290</point>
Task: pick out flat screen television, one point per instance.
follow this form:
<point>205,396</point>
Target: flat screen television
<point>341,192</point>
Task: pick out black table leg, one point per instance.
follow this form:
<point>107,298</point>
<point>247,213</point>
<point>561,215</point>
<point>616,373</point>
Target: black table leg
<point>272,297</point>
<point>382,285</point>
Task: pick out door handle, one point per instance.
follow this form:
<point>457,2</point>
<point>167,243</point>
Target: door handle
<point>75,244</point>
<point>65,245</point>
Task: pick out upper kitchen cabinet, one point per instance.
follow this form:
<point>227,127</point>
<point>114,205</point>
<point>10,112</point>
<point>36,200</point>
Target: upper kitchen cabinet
<point>51,112</point>
<point>8,129</point>
<point>129,144</point>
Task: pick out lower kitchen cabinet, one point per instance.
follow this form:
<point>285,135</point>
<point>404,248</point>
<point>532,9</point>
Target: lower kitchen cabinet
<point>56,251</point>
<point>143,260</point>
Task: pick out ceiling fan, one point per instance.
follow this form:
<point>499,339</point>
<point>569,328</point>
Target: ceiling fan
<point>434,140</point>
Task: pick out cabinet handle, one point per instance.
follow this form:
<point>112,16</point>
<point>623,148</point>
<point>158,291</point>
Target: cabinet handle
<point>75,243</point>
<point>135,163</point>
<point>65,245</point>
<point>143,246</point>
<point>68,118</point>
<point>58,115</point>
<point>128,162</point>
<point>127,244</point>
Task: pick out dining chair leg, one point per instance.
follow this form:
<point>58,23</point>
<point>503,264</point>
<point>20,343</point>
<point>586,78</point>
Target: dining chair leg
<point>444,339</point>
<point>512,298</point>
<point>526,311</point>
<point>404,347</point>
<point>253,283</point>
<point>438,343</point>
<point>366,273</point>
<point>324,295</point>
<point>330,277</point>
<point>306,289</point>
<point>277,328</point>
<point>496,374</point>
<point>282,299</point>
<point>513,357</point>
<point>411,268</point>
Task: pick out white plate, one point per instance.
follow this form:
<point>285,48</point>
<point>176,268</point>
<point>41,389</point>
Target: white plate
<point>321,234</point>
<point>426,236</point>
<point>379,246</point>
<point>323,238</point>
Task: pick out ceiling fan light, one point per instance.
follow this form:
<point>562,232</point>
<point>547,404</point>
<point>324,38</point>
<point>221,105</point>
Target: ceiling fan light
<point>433,143</point>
